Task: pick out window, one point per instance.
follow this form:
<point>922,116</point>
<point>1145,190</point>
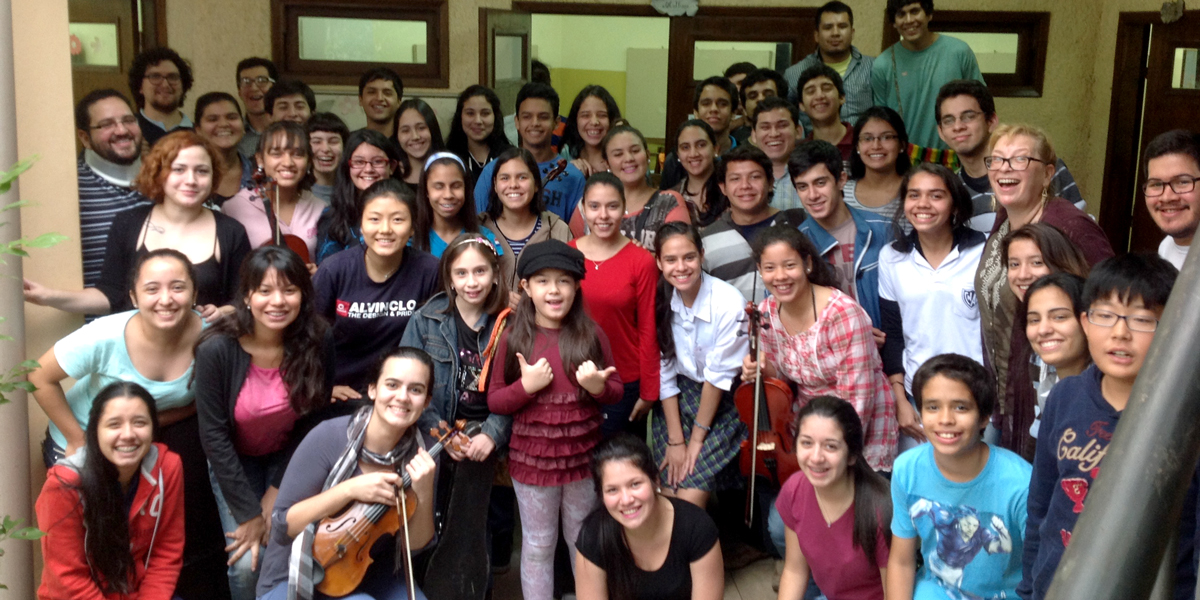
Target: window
<point>1010,47</point>
<point>332,42</point>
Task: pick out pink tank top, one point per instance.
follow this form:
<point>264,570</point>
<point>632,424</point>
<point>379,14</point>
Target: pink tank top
<point>263,416</point>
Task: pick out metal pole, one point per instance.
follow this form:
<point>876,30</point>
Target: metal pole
<point>1133,509</point>
<point>16,566</point>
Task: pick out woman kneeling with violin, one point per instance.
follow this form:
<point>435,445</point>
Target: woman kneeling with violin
<point>340,496</point>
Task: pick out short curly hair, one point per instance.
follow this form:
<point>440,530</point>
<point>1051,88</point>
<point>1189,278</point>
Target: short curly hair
<point>157,164</point>
<point>151,57</point>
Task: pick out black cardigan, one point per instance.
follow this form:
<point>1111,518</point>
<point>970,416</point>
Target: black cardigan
<point>221,368</point>
<point>216,283</point>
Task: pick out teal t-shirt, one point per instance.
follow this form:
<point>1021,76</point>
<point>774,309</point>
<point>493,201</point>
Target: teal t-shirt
<point>972,534</point>
<point>437,245</point>
<point>921,75</point>
<point>95,355</point>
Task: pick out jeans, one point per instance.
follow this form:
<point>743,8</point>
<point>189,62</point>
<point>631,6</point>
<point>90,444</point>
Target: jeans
<point>378,584</point>
<point>259,473</point>
<point>616,416</point>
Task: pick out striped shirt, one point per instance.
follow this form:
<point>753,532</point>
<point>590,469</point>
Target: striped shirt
<point>857,81</point>
<point>727,253</point>
<point>837,356</point>
<point>99,202</point>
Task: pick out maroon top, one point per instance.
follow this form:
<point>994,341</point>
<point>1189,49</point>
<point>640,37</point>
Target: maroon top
<point>555,429</point>
<point>846,146</point>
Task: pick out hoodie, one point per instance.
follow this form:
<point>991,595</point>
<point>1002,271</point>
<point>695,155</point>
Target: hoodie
<point>155,531</point>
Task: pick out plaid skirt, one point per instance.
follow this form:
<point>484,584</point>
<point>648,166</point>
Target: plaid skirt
<point>716,467</point>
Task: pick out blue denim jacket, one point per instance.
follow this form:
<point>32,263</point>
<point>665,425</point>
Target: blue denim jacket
<point>872,234</point>
<point>434,330</point>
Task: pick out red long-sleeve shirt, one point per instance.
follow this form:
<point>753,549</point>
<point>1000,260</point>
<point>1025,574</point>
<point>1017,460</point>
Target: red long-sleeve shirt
<point>619,295</point>
<point>555,429</point>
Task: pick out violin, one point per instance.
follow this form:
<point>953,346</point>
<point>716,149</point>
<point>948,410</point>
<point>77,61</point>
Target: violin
<point>342,543</point>
<point>765,406</point>
<point>263,185</point>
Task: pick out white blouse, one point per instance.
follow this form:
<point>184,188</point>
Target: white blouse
<point>710,337</point>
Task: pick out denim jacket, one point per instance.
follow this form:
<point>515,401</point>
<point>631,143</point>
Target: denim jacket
<point>872,233</point>
<point>433,329</point>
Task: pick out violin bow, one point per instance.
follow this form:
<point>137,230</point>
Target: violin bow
<point>754,326</point>
<point>402,509</point>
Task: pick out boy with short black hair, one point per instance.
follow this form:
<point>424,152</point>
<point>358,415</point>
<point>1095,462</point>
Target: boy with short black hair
<point>562,182</point>
<point>745,177</point>
<point>822,95</point>
<point>290,100</point>
<point>380,91</point>
<point>957,499</point>
<point>775,129</point>
<point>759,85</point>
<point>1125,297</point>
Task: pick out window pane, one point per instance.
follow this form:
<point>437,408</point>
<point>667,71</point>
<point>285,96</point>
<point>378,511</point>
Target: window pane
<point>712,58</point>
<point>1186,68</point>
<point>510,57</point>
<point>95,44</point>
<point>362,40</point>
<point>995,52</point>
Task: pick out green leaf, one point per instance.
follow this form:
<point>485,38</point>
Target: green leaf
<point>7,177</point>
<point>28,387</point>
<point>11,523</point>
<point>43,241</point>
<point>29,364</point>
<point>27,533</point>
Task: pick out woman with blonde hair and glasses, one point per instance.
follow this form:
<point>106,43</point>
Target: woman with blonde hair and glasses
<point>1021,166</point>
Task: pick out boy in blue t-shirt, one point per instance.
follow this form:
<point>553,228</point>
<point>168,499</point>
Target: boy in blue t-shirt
<point>957,500</point>
<point>1125,297</point>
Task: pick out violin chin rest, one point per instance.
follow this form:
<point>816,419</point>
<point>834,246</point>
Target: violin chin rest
<point>318,574</point>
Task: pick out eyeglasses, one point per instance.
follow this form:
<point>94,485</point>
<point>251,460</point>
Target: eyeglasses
<point>1017,163</point>
<point>378,163</point>
<point>157,78</point>
<point>260,81</point>
<point>129,122</point>
<point>1103,318</point>
<point>1181,184</point>
<point>883,139</point>
<point>966,118</point>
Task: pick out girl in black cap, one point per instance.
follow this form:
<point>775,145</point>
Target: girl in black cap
<point>553,367</point>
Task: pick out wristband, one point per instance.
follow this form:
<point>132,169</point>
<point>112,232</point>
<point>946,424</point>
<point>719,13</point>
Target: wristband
<point>669,443</point>
<point>706,428</point>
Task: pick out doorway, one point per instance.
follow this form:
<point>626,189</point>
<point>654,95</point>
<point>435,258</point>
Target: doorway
<point>657,60</point>
<point>1155,89</point>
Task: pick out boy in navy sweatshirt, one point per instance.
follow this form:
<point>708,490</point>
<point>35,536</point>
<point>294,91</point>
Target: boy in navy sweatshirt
<point>1125,297</point>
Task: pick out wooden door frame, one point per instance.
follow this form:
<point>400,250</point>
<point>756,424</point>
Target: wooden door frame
<point>1119,191</point>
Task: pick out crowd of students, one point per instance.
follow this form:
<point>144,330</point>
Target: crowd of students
<point>283,312</point>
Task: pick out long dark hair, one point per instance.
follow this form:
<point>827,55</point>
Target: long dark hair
<point>497,140</point>
<point>963,207</point>
<point>536,203</point>
<point>105,518</point>
<point>891,117</point>
<point>872,496</point>
<point>571,137</point>
<point>303,368</point>
<point>664,292</point>
<point>577,339</point>
<point>467,218</point>
<point>610,534</point>
<point>345,202</point>
<point>715,198</point>
<point>436,141</point>
<point>820,273</point>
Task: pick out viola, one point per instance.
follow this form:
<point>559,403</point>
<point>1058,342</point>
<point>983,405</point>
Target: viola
<point>264,185</point>
<point>765,406</point>
<point>342,543</point>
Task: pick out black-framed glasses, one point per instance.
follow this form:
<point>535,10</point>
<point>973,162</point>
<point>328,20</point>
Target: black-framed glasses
<point>157,78</point>
<point>1180,184</point>
<point>128,121</point>
<point>968,117</point>
<point>378,163</point>
<point>1104,318</point>
<point>886,138</point>
<point>1017,163</point>
<point>260,81</point>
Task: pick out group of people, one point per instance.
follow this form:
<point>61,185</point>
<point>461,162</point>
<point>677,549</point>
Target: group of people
<point>296,330</point>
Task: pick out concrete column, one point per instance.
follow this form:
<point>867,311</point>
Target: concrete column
<point>16,567</point>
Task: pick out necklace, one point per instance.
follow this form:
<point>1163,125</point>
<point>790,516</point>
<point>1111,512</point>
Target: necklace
<point>155,228</point>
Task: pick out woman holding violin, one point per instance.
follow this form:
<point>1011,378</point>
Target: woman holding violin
<point>280,203</point>
<point>819,339</point>
<point>697,433</point>
<point>375,457</point>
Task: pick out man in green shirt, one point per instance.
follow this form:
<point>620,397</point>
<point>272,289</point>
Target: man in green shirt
<point>907,76</point>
